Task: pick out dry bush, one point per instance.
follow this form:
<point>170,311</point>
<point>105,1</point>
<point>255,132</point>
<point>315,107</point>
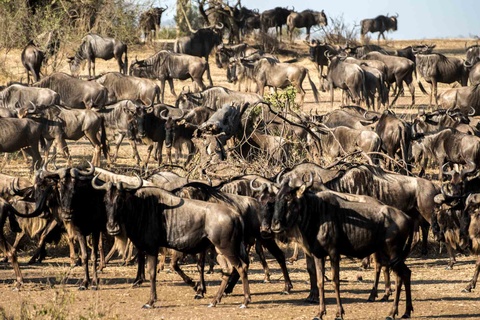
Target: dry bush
<point>339,32</point>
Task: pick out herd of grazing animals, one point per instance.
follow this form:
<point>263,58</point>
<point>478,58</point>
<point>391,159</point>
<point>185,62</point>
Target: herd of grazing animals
<point>353,209</point>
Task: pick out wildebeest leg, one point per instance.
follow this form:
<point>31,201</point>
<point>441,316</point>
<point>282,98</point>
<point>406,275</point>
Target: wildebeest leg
<point>93,67</point>
<point>403,276</point>
<point>263,261</point>
<point>176,256</point>
<point>399,83</point>
<point>411,87</point>
<point>335,262</point>
<point>331,96</point>
<point>209,77</point>
<point>163,256</point>
<point>433,92</point>
<point>140,278</point>
<point>149,151</point>
<point>374,292</point>
<point>172,89</point>
<point>162,90</point>
<point>226,272</point>
<point>62,145</point>
<point>152,271</point>
<point>473,282</point>
<point>12,257</point>
<point>96,239</point>
<point>84,256</point>
<point>388,284</point>
<point>425,226</point>
<point>200,287</point>
<point>451,255</point>
<point>97,153</point>
<point>101,253</point>
<point>320,277</point>
<point>273,248</point>
<point>311,268</point>
<point>71,244</point>
<point>294,256</point>
<point>41,242</point>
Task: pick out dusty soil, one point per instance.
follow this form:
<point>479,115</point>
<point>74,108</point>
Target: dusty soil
<point>50,289</point>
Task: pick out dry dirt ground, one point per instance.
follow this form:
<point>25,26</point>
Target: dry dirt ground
<point>50,289</point>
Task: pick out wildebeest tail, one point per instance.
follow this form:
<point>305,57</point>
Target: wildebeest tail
<point>103,138</point>
<point>125,64</point>
<point>314,88</point>
<point>408,244</point>
<point>420,85</point>
<point>43,145</point>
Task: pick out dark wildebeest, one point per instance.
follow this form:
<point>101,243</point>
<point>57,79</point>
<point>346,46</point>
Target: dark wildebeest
<point>276,17</point>
<point>155,218</point>
<point>75,93</point>
<point>463,98</point>
<point>330,224</point>
<point>317,54</point>
<point>121,118</point>
<point>342,117</point>
<point>379,24</point>
<point>395,135</point>
<point>200,44</point>
<point>16,96</point>
<point>410,51</point>
<point>398,70</point>
<point>32,58</point>
<point>22,133</point>
<point>225,52</point>
<point>280,75</point>
<point>449,145</point>
<point>305,19</point>
<point>360,51</point>
<point>81,209</point>
<point>149,23</point>
<point>215,98</point>
<point>441,119</point>
<point>71,124</point>
<point>346,76</point>
<point>167,65</point>
<point>94,46</point>
<point>125,87</point>
<point>435,68</point>
<point>8,211</point>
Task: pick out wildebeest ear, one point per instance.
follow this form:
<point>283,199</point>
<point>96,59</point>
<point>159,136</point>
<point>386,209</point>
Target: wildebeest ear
<point>301,190</point>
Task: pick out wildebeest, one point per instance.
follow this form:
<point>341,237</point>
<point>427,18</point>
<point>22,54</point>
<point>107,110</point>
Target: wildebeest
<point>32,58</point>
<point>225,52</point>
<point>410,51</point>
<point>379,24</point>
<point>305,19</point>
<point>474,74</point>
<point>214,98</point>
<point>472,54</point>
<point>154,218</point>
<point>94,46</point>
<point>75,93</point>
<point>276,17</point>
<point>441,119</point>
<point>398,70</point>
<point>167,65</point>
<point>280,75</point>
<point>71,124</point>
<point>17,96</point>
<point>342,117</point>
<point>360,51</point>
<point>72,188</point>
<point>346,76</point>
<point>330,224</point>
<point>150,22</point>
<point>7,211</point>
<point>463,98</point>
<point>435,67</point>
<point>317,51</point>
<point>200,44</point>
<point>449,145</point>
<point>124,87</point>
<point>22,133</point>
<point>472,208</point>
<point>121,118</point>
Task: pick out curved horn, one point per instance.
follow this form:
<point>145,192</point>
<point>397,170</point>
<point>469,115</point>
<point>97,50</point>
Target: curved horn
<point>33,109</point>
<point>44,173</point>
<point>468,169</point>
<point>162,116</point>
<point>164,9</point>
<point>261,188</point>
<point>448,173</point>
<point>309,183</point>
<point>448,112</point>
<point>396,15</point>
<point>219,26</point>
<point>96,186</point>
<point>91,170</point>
<point>131,188</point>
<point>471,113</point>
<point>467,64</point>
<point>279,175</point>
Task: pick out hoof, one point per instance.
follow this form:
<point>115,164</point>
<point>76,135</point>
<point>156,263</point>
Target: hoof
<point>95,288</point>
<point>338,318</point>
<point>211,305</point>
<point>198,296</point>
<point>467,290</point>
<point>384,298</point>
<point>147,306</point>
<point>243,306</point>
<point>405,316</point>
<point>267,281</point>
<point>371,299</point>
<point>82,288</point>
<point>284,293</point>
<point>389,318</point>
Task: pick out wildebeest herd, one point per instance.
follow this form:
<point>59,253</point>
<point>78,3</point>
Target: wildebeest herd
<point>371,206</point>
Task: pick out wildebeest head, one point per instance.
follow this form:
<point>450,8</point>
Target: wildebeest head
<point>115,196</point>
<point>321,18</point>
<point>187,100</point>
<point>452,220</point>
<point>210,147</point>
<point>288,204</point>
<point>76,65</point>
<point>141,69</point>
<point>170,126</point>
